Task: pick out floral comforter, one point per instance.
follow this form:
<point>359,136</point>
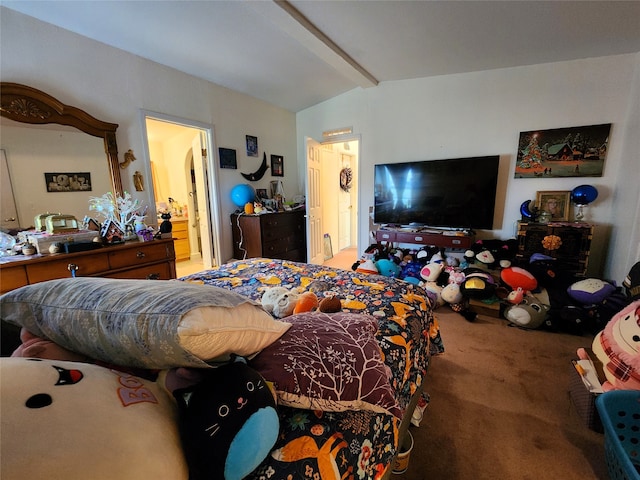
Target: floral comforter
<point>353,444</point>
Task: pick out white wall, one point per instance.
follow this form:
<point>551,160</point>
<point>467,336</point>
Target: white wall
<point>114,86</point>
<point>483,113</point>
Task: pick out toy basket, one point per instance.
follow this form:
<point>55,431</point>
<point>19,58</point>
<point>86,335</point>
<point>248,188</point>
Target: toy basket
<point>620,414</point>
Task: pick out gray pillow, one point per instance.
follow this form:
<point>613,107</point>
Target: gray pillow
<point>142,323</point>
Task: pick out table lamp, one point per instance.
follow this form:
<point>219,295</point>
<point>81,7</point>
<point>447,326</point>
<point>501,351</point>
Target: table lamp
<point>582,196</point>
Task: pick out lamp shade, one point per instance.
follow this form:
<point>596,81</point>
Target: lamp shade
<point>584,194</point>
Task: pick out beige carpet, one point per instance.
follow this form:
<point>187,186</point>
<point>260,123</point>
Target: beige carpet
<point>500,407</point>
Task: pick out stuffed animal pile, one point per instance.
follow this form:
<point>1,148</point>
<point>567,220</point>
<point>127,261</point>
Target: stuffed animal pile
<point>149,421</point>
<point>541,294</point>
<point>282,302</point>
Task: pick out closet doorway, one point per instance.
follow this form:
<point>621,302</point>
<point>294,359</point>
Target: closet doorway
<point>184,183</point>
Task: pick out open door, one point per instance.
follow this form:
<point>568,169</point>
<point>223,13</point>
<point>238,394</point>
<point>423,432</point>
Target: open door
<point>9,212</point>
<point>315,246</point>
<point>198,146</point>
<point>172,145</point>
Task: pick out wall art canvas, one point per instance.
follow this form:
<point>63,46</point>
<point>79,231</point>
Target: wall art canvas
<point>252,146</point>
<point>227,158</point>
<point>563,152</point>
<point>68,181</point>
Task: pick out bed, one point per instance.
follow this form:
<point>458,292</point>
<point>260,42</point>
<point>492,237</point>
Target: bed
<point>333,436</point>
<point>354,444</point>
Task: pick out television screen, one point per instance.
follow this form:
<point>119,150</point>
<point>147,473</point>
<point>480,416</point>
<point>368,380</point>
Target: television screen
<point>455,193</point>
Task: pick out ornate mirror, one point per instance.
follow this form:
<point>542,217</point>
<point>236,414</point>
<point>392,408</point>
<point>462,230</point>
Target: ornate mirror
<point>28,105</point>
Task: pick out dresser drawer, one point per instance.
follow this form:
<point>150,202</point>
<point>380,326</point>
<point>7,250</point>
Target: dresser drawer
<point>145,252</point>
<point>159,271</point>
<point>13,277</point>
<point>62,267</point>
<point>385,236</point>
<point>180,229</point>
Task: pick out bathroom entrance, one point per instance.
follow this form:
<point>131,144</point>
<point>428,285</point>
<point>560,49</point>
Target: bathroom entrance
<point>184,185</point>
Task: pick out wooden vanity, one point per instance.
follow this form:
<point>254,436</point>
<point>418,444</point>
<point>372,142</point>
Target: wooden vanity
<point>143,260</point>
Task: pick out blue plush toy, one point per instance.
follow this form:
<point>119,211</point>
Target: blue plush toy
<point>228,422</point>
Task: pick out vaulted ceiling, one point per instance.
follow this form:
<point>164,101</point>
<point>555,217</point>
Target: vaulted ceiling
<point>296,54</point>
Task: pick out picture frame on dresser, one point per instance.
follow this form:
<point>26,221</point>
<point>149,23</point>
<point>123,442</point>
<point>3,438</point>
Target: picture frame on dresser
<point>555,202</point>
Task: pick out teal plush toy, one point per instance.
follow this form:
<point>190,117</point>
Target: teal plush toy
<point>228,422</point>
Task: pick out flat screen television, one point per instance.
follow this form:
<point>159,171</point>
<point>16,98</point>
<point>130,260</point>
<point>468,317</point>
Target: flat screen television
<point>455,193</point>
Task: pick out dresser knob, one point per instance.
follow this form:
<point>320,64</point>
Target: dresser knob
<point>140,255</point>
<point>72,267</point>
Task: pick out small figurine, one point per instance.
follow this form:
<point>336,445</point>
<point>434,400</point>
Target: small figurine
<point>166,226</point>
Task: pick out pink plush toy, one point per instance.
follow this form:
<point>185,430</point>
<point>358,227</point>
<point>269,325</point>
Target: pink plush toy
<point>37,347</point>
<point>618,348</point>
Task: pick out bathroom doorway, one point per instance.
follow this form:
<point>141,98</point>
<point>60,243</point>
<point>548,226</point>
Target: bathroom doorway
<point>184,184</point>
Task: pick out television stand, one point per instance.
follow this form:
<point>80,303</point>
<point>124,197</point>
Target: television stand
<point>437,238</point>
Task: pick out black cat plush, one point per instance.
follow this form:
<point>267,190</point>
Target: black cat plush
<point>228,422</point>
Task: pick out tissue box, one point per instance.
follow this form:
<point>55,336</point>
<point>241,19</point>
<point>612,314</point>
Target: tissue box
<point>584,402</point>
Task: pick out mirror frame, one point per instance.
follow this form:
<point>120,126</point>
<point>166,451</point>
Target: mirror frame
<point>28,105</point>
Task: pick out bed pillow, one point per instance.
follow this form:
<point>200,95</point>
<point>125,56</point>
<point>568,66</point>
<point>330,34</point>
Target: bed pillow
<point>330,362</point>
<point>77,421</point>
<point>143,323</point>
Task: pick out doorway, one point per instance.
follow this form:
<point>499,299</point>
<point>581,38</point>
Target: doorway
<point>184,184</point>
<point>332,198</point>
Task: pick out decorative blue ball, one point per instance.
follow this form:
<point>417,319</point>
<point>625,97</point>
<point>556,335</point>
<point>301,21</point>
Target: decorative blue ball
<point>584,194</point>
<point>242,194</point>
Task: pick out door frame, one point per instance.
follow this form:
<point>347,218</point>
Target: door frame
<point>351,137</point>
<point>211,188</point>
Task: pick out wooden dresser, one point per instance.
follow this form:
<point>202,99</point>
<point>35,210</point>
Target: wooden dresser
<point>143,260</point>
<point>572,253</point>
<point>271,235</point>
<point>180,233</point>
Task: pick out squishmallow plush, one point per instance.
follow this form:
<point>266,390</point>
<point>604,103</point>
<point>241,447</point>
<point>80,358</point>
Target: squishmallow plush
<point>618,348</point>
<point>279,301</point>
<point>75,421</point>
<point>519,277</point>
<point>228,422</point>
<point>529,313</point>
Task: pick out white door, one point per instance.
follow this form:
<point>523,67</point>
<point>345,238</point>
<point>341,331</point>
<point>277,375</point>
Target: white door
<point>315,249</point>
<point>200,163</point>
<point>9,218</point>
<point>344,205</point>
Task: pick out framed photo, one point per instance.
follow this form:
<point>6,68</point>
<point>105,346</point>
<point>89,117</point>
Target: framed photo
<point>68,181</point>
<point>261,193</point>
<point>563,152</point>
<point>227,158</point>
<point>277,165</point>
<point>252,146</point>
<point>555,202</point>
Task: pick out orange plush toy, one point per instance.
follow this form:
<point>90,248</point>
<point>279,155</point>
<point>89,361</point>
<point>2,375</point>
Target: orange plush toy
<point>307,302</point>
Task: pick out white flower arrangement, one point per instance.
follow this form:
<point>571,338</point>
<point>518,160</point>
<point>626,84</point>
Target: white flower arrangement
<point>123,211</point>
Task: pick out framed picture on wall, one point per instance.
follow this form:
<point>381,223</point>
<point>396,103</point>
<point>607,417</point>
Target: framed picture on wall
<point>227,158</point>
<point>563,152</point>
<point>277,165</point>
<point>68,182</point>
<point>555,202</point>
<point>252,146</point>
